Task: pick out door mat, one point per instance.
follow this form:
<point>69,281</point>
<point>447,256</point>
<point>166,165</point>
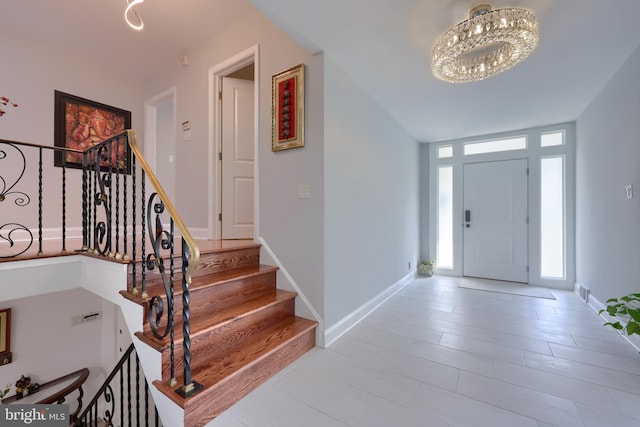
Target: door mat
<point>505,287</point>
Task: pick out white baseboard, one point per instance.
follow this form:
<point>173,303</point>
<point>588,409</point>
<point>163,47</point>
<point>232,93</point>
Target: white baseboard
<point>338,329</point>
<point>199,233</point>
<point>598,305</point>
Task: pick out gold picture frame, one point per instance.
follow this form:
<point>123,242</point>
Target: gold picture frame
<point>288,109</point>
<point>5,331</point>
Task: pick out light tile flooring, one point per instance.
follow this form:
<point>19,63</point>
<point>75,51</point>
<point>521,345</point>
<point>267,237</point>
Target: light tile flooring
<point>439,355</point>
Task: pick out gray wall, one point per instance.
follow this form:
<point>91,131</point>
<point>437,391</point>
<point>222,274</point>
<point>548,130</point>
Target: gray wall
<point>607,159</point>
<point>291,227</point>
<point>371,196</point>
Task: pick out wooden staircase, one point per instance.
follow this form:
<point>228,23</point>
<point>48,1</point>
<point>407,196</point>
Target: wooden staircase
<point>243,329</point>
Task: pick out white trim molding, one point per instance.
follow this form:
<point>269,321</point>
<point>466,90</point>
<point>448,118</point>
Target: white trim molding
<point>341,327</point>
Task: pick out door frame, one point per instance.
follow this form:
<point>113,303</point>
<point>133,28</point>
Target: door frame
<point>216,73</point>
<point>454,157</point>
<point>150,122</point>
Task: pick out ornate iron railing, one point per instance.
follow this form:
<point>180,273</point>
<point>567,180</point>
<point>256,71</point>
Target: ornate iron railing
<point>123,399</point>
<point>18,189</point>
<point>118,220</point>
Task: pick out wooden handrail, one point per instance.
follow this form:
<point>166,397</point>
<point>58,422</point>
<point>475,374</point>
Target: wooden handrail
<point>82,375</point>
<point>194,250</point>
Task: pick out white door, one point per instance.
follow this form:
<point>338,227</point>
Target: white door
<point>495,220</point>
<point>237,158</point>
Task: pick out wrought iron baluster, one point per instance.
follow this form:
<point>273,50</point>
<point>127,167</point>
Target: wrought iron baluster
<point>171,302</point>
<point>126,184</point>
<point>146,403</point>
<point>64,209</point>
<point>129,390</point>
<point>134,238</point>
<point>137,390</point>
<point>122,397</point>
<point>95,206</point>
<point>190,387</point>
<point>109,219</point>
<point>143,198</point>
<point>118,169</point>
<point>85,195</point>
<point>40,201</point>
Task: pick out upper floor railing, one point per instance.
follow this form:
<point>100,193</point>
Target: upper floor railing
<point>97,200</point>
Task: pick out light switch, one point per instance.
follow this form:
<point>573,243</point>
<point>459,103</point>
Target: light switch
<point>170,159</point>
<point>629,191</point>
<point>186,135</point>
<point>304,192</point>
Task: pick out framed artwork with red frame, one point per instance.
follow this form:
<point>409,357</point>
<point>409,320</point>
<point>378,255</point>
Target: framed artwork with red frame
<point>288,109</point>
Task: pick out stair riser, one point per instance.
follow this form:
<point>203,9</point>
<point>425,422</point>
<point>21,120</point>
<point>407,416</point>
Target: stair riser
<point>234,333</point>
<point>210,403</point>
<point>212,298</point>
<point>209,263</point>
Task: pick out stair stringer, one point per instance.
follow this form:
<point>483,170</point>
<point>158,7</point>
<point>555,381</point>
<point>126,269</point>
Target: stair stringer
<point>106,279</point>
<point>284,280</point>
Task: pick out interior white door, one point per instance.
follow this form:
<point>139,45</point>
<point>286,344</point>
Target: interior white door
<point>237,158</point>
<point>495,220</point>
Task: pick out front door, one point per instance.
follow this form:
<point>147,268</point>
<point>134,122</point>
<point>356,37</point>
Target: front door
<point>495,220</point>
<point>237,158</point>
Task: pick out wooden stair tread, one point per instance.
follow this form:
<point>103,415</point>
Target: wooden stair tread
<point>216,371</point>
<point>203,324</point>
<point>155,285</point>
<point>263,343</point>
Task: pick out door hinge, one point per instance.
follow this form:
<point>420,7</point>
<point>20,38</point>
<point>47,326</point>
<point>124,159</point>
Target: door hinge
<point>527,171</point>
<point>527,268</point>
<point>220,155</point>
<point>220,216</point>
<point>220,95</point>
<point>527,220</point>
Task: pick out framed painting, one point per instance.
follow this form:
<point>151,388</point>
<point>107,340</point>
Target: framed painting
<point>80,124</point>
<point>288,109</point>
<point>5,331</point>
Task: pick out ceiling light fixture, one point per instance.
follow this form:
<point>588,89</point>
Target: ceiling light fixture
<point>129,11</point>
<point>486,44</point>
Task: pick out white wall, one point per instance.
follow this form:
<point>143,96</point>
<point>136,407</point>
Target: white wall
<point>30,74</point>
<point>371,196</point>
<point>607,159</point>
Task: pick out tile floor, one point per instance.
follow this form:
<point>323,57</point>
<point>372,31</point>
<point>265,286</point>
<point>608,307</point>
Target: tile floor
<point>439,355</point>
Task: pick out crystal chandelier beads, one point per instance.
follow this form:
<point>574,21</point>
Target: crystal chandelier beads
<point>488,43</point>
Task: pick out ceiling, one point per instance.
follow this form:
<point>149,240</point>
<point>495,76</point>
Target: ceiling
<point>383,44</point>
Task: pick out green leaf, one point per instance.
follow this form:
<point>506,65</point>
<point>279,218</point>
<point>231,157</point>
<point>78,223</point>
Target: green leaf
<point>612,300</point>
<point>616,325</point>
<point>612,310</point>
<point>634,313</point>
<point>633,328</point>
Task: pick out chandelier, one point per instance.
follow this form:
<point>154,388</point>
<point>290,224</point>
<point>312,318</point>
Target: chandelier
<point>486,44</point>
<point>135,23</point>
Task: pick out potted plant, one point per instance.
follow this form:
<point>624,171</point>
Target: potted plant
<point>425,268</point>
<point>626,308</point>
